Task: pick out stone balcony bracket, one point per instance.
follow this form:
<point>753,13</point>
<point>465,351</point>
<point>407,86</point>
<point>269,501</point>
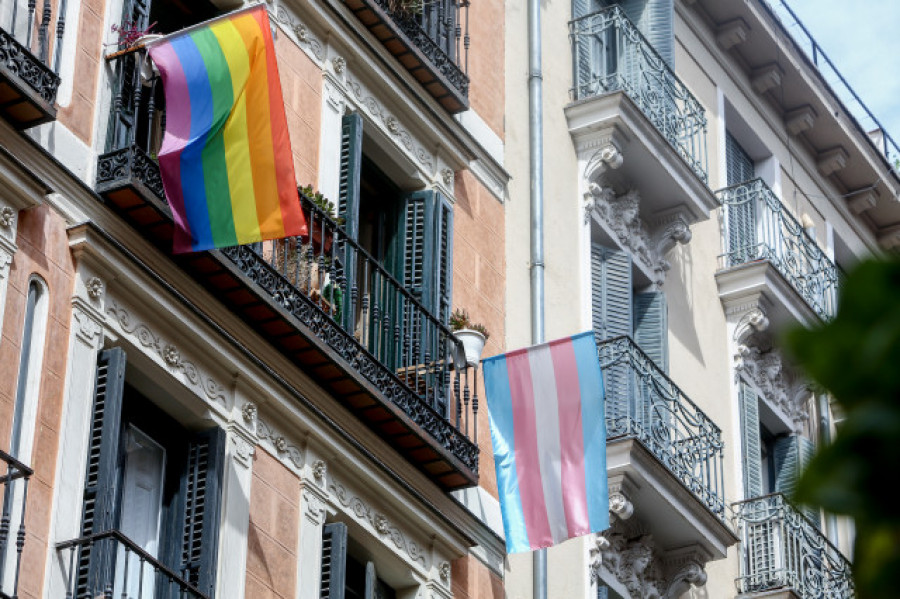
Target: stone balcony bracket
<point>731,33</point>
<point>831,161</point>
<point>800,119</point>
<point>862,201</point>
<point>766,77</point>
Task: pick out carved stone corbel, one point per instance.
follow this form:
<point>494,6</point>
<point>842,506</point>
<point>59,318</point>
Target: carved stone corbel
<point>604,159</point>
<point>620,506</point>
<point>753,322</point>
<point>671,230</point>
<point>684,569</point>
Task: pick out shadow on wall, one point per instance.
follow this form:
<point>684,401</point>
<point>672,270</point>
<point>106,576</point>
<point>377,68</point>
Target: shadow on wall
<point>681,300</point>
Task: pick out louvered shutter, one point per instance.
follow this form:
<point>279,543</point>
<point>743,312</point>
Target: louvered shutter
<point>792,454</point>
<point>100,508</point>
<point>750,442</point>
<point>611,312</point>
<point>739,165</point>
<point>741,211</point>
<point>334,561</point>
<point>201,498</point>
<point>348,208</point>
<point>651,327</point>
<point>655,20</point>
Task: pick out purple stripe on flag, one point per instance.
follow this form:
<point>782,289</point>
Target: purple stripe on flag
<point>178,131</point>
<point>528,466</point>
<point>571,429</point>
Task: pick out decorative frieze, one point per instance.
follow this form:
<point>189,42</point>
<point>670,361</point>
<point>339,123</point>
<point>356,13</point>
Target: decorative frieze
<point>284,449</point>
<point>300,32</point>
<point>777,384</point>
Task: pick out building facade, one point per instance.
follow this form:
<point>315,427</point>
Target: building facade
<point>283,419</point>
<point>705,186</point>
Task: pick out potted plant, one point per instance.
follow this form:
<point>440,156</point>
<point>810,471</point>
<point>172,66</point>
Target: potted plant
<point>472,336</point>
<point>322,235</point>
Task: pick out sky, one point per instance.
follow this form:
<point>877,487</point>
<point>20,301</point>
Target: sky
<point>862,38</point>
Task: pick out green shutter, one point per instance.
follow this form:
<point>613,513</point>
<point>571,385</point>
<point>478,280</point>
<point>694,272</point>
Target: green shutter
<point>201,497</point>
<point>444,258</point>
<point>792,454</point>
<point>651,327</point>
<point>351,165</point>
<point>750,441</point>
<point>100,512</point>
<point>334,561</point>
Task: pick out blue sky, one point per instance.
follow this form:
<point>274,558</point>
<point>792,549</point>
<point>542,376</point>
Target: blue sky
<point>862,38</point>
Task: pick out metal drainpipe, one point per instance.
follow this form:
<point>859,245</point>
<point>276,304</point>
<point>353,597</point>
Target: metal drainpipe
<point>831,530</point>
<point>536,167</point>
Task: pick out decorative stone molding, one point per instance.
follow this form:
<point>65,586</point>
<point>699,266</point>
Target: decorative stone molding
<point>300,32</point>
<point>143,336</point>
<point>767,77</point>
<point>685,568</point>
<point>314,505</point>
<point>731,33</point>
<point>595,556</point>
<point>753,322</point>
<point>94,288</point>
<point>776,383</point>
<point>248,413</point>
<point>832,161</point>
<point>621,215</point>
<point>283,448</point>
<point>620,506</point>
<point>7,217</point>
<point>87,327</point>
<point>243,451</point>
<point>339,64</point>
<point>800,119</point>
<point>447,177</point>
<point>606,158</point>
<point>378,522</point>
<point>444,572</point>
<point>319,470</point>
<point>392,124</point>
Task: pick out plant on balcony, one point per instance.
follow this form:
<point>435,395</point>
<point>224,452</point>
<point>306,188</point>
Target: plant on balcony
<point>406,8</point>
<point>322,234</point>
<point>129,33</point>
<point>473,335</point>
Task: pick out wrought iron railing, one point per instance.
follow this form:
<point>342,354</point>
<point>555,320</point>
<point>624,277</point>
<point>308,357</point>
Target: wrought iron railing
<point>644,404</point>
<point>109,565</point>
<point>25,43</point>
<point>781,548</point>
<point>610,54</point>
<point>759,227</point>
<point>440,30</point>
<point>325,280</point>
<point>12,522</point>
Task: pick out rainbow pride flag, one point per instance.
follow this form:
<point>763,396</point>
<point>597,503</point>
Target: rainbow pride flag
<point>548,430</point>
<point>226,158</point>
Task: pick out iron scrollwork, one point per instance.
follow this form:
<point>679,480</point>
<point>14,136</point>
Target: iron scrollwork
<point>18,60</point>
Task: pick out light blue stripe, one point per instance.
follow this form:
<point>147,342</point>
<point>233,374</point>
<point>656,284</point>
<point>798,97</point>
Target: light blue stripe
<point>499,401</point>
<point>192,182</point>
<point>593,421</point>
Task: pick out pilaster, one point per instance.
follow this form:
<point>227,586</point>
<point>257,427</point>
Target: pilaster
<point>8,218</point>
<point>313,509</point>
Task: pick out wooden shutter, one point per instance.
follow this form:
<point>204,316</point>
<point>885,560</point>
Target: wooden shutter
<point>611,292</point>
<point>792,454</point>
<point>739,165</point>
<point>100,509</point>
<point>741,213</point>
<point>351,164</point>
<point>334,561</point>
<point>651,331</point>
<point>655,20</point>
<point>201,498</point>
<point>443,230</point>
<point>750,441</point>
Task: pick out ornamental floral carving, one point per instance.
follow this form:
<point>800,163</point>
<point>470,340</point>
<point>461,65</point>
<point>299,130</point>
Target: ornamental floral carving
<point>248,412</point>
<point>171,356</point>
<point>444,572</point>
<point>300,31</point>
<point>94,287</point>
<point>318,469</point>
<point>379,522</point>
<point>7,217</point>
<point>777,384</point>
<point>339,64</point>
<point>285,449</point>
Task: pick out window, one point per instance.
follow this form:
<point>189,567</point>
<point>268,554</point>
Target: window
<point>739,165</point>
<point>345,577</point>
<point>155,482</point>
<point>21,443</point>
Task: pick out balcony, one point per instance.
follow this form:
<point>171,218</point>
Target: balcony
<point>430,38</point>
<point>626,96</point>
<point>322,300</point>
<point>126,570</point>
<point>666,449</point>
<point>27,83</point>
<point>782,550</point>
<point>768,252</point>
<point>15,494</point>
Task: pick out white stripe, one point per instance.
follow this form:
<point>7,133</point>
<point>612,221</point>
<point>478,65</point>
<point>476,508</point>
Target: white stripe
<point>546,410</point>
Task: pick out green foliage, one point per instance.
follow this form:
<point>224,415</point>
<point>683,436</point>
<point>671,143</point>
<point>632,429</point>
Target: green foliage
<point>322,203</point>
<point>857,358</point>
<point>460,320</point>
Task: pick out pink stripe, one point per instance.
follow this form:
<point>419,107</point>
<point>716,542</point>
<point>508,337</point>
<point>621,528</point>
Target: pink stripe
<point>526,447</point>
<point>571,431</point>
<point>178,132</point>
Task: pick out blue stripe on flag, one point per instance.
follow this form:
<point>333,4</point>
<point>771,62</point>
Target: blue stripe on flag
<point>496,381</point>
<point>593,421</point>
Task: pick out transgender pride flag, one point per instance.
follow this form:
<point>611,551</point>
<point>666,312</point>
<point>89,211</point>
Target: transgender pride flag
<point>549,435</point>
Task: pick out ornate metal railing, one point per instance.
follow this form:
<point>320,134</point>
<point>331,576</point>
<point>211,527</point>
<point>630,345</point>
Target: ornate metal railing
<point>644,404</point>
<point>25,44</point>
<point>610,54</point>
<point>15,495</point>
<point>759,227</point>
<point>109,564</point>
<point>440,30</point>
<point>347,297</point>
<point>781,548</point>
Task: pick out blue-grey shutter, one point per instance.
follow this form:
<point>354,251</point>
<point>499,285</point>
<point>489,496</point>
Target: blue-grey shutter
<point>655,20</point>
<point>739,165</point>
<point>750,441</point>
<point>100,505</point>
<point>332,581</point>
<point>741,210</point>
<point>588,48</point>
<point>201,499</point>
<point>651,331</point>
<point>792,454</point>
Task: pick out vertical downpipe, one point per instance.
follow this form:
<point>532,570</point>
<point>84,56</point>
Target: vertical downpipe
<point>536,169</point>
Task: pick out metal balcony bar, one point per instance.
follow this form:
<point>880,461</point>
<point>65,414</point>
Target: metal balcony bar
<point>15,496</point>
<point>759,227</point>
<point>644,404</point>
<point>610,54</point>
<point>33,31</point>
<point>127,570</point>
<point>781,548</point>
